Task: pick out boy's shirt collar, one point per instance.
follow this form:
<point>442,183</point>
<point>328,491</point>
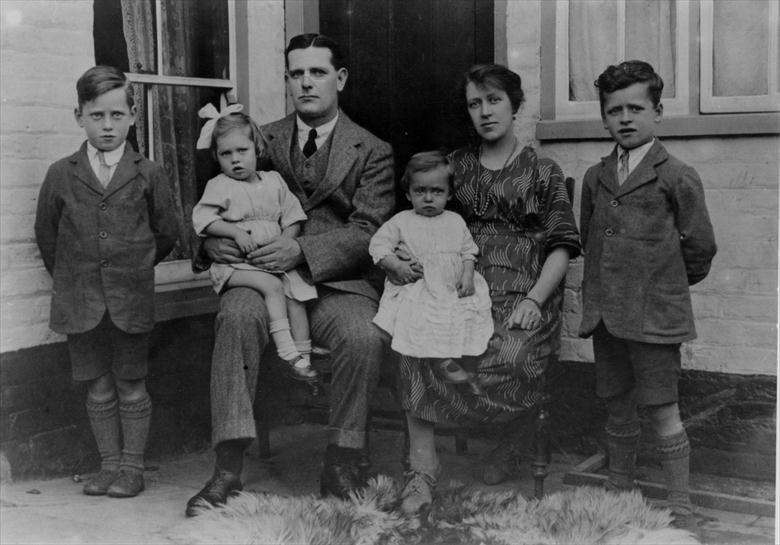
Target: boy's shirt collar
<point>635,155</point>
<point>112,157</point>
<point>323,131</point>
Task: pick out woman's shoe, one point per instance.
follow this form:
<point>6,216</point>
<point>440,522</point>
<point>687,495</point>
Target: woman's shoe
<point>417,492</point>
<point>300,368</point>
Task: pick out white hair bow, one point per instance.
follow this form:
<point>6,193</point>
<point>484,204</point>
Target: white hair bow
<point>210,112</point>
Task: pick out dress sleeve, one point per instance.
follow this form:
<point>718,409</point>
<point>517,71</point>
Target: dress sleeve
<point>469,249</point>
<point>560,227</point>
<point>215,200</point>
<point>385,240</point>
<point>290,207</point>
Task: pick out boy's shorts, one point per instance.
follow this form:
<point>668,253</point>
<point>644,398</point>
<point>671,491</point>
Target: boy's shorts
<point>106,348</point>
<point>653,369</point>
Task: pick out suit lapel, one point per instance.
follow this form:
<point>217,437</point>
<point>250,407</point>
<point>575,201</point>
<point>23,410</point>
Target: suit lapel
<point>126,170</point>
<point>343,154</point>
<point>645,170</point>
<point>279,144</point>
<point>608,173</point>
<point>83,170</point>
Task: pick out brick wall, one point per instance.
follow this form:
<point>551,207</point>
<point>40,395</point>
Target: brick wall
<point>45,46</point>
<point>736,306</point>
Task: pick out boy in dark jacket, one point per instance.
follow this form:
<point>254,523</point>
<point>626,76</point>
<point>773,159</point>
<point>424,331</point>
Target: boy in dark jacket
<point>104,219</point>
<point>647,237</point>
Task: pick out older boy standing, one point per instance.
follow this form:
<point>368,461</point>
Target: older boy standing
<point>104,220</point>
<point>647,237</point>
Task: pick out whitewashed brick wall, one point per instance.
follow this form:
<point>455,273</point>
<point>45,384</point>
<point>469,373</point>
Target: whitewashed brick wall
<point>44,47</point>
<point>736,306</point>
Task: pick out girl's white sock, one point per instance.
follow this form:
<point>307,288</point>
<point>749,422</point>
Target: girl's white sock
<point>285,346</point>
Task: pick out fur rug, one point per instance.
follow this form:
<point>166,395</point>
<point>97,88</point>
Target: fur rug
<point>459,516</point>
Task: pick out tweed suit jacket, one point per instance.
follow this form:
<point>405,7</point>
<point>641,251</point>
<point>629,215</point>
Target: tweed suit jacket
<point>101,244</point>
<point>353,199</point>
<point>646,241</point>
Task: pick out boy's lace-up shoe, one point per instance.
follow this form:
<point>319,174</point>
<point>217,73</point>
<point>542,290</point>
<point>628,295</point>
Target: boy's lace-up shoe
<point>417,492</point>
<point>98,484</point>
<point>128,485</point>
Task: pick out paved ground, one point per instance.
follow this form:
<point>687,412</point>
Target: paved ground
<point>56,512</point>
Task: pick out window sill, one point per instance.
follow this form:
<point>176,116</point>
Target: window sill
<point>699,125</point>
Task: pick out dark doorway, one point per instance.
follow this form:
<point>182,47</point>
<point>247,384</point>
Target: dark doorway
<point>405,58</point>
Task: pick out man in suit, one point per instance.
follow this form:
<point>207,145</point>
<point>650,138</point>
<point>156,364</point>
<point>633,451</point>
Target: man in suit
<point>343,176</point>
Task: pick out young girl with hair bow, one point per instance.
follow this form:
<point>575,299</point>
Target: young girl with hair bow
<point>252,207</point>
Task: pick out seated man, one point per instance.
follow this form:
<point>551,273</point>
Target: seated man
<point>343,176</point>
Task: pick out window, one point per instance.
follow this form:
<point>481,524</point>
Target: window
<point>728,82</point>
<point>591,35</point>
<point>715,56</point>
<point>179,56</point>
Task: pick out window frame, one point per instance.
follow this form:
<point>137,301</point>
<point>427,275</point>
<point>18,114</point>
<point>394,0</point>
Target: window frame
<point>735,104</point>
<point>567,110</point>
<point>178,274</point>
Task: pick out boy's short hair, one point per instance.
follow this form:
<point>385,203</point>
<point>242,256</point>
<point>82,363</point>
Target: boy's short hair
<point>238,120</point>
<point>494,75</point>
<point>425,161</point>
<point>99,80</point>
<point>338,57</point>
<point>627,73</point>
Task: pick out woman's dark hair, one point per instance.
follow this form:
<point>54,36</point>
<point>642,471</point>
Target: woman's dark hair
<point>493,75</point>
<point>425,161</point>
<point>238,120</point>
<point>625,74</point>
<point>338,56</point>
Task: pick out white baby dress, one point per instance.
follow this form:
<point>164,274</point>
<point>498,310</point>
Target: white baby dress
<point>427,319</point>
<point>263,208</point>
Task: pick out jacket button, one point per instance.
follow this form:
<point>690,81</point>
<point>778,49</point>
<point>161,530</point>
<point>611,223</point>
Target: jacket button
<point>613,203</point>
<point>103,234</point>
<point>609,232</point>
<point>103,206</point>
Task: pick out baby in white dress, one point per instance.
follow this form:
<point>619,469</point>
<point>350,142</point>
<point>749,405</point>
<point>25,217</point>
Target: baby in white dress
<point>252,208</point>
<point>446,314</point>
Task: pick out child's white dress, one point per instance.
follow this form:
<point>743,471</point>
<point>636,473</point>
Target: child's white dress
<point>427,319</point>
<point>263,208</point>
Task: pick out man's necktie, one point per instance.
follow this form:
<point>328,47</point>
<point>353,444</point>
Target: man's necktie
<point>311,145</point>
<point>623,168</point>
<point>104,171</point>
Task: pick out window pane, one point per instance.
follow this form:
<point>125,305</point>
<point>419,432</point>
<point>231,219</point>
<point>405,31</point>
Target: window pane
<point>592,42</point>
<point>196,38</point>
<point>740,48</point>
<point>173,134</point>
<point>650,36</point>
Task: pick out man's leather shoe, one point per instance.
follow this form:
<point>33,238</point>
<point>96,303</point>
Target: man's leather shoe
<point>340,478</point>
<point>216,492</point>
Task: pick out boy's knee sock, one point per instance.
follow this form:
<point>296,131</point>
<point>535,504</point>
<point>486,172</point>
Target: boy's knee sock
<point>280,332</point>
<point>674,453</point>
<point>104,420</point>
<point>622,444</point>
<point>230,455</point>
<point>136,417</point>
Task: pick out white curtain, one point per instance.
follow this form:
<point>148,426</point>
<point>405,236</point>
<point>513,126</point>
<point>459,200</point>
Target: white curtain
<point>649,36</point>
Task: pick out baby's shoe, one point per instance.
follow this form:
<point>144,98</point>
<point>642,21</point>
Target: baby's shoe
<point>300,368</point>
<point>451,371</point>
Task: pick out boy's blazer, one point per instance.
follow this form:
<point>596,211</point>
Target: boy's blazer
<point>645,242</point>
<point>354,198</point>
<point>101,245</point>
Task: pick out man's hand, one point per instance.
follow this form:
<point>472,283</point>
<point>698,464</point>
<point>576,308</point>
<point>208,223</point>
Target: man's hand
<point>281,254</point>
<point>223,250</point>
<point>400,272</point>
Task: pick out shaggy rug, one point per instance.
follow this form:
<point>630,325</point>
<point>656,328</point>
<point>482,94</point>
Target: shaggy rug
<point>459,516</point>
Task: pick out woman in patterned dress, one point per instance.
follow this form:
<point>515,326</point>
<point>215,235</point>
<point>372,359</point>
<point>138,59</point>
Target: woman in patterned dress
<point>517,209</point>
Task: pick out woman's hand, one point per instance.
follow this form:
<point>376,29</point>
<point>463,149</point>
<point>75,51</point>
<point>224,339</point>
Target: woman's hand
<point>526,315</point>
<point>400,272</point>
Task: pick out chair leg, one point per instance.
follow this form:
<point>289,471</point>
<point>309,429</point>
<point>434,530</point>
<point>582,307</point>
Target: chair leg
<point>541,447</point>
